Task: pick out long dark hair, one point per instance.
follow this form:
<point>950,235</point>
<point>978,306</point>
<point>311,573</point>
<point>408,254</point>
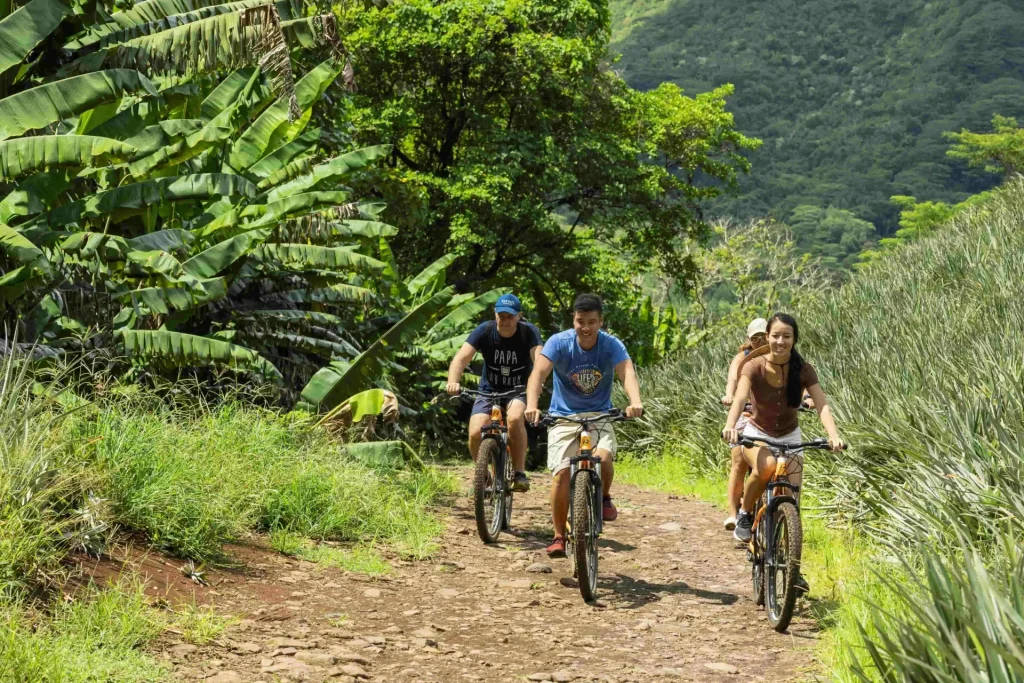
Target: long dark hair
<point>794,386</point>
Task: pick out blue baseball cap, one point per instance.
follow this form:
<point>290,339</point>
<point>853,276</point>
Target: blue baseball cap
<point>508,303</point>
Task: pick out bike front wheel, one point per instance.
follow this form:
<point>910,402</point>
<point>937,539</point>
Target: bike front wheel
<point>488,498</point>
<point>585,525</point>
<point>783,566</point>
<point>506,509</point>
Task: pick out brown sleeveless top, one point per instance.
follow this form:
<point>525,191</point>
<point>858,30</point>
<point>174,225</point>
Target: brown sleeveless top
<point>772,414</point>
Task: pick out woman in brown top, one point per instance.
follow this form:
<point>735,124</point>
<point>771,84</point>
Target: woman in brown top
<point>775,384</point>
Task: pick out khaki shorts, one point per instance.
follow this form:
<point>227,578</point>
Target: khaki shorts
<point>564,442</point>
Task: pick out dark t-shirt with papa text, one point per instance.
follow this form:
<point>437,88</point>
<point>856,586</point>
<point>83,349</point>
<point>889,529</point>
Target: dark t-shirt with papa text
<point>507,362</point>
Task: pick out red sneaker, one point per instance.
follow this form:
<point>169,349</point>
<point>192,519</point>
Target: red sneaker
<point>608,511</point>
<point>557,547</point>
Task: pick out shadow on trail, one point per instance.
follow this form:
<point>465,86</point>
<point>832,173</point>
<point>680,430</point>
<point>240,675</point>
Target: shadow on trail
<point>612,544</point>
<point>636,592</point>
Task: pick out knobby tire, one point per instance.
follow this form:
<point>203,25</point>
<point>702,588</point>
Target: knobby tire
<point>488,510</point>
<point>585,544</point>
<point>781,594</point>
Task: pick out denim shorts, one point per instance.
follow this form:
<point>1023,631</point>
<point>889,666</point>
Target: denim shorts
<point>482,406</point>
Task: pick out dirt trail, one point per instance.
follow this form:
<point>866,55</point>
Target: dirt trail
<point>674,605</point>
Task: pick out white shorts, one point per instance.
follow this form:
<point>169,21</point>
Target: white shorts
<point>752,432</point>
<point>564,442</point>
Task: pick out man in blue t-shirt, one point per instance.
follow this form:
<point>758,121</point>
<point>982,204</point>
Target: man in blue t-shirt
<point>509,346</point>
<point>584,360</point>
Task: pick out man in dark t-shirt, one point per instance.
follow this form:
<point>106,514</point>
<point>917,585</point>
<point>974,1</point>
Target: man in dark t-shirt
<point>509,345</point>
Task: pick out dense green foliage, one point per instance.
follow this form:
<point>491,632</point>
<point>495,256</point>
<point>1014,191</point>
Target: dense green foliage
<point>920,360</point>
<point>180,210</point>
<point>515,147</point>
<point>851,98</point>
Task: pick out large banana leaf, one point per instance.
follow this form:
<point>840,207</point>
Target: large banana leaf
<point>284,155</point>
<point>155,10</point>
<point>294,207</point>
<point>26,27</point>
<point>136,197</point>
<point>329,170</point>
<point>331,385</point>
<point>45,104</point>
<point>227,92</point>
<point>163,240</point>
<point>335,294</point>
<point>184,350</point>
<point>22,156</point>
<point>124,34</point>
<point>252,145</point>
<point>326,230</point>
<point>33,194</point>
<point>308,256</point>
<point>313,345</point>
<point>464,315</point>
<point>208,263</point>
<point>290,315</point>
<point>428,278</point>
<point>164,300</point>
<point>21,250</point>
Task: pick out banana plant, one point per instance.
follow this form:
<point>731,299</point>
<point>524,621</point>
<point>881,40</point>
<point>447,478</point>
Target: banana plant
<point>164,197</point>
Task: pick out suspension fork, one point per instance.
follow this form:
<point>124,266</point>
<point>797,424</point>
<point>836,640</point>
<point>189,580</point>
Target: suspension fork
<point>584,463</point>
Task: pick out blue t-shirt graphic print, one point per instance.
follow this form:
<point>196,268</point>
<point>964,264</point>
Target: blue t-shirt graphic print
<point>583,379</point>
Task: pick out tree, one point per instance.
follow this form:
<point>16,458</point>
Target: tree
<point>516,145</point>
<point>1001,151</point>
<point>835,235</point>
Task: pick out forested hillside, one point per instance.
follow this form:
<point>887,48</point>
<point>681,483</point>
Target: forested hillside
<point>851,98</point>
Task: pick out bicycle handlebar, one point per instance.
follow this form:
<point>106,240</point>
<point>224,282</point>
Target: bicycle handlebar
<point>511,393</point>
<point>821,444</point>
<point>613,415</point>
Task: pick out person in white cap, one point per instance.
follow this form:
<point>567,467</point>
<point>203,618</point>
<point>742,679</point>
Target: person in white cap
<point>756,339</point>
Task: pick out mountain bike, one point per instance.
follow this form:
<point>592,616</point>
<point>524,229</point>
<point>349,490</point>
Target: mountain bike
<point>494,474</point>
<point>585,521</point>
<point>777,541</point>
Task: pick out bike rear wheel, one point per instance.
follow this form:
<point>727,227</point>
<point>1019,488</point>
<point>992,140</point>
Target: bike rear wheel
<point>585,535</point>
<point>488,486</point>
<point>783,566</point>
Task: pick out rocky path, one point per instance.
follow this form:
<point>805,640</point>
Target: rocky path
<point>674,605</point>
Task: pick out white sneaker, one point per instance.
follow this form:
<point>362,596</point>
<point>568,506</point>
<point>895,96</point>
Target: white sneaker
<point>730,523</point>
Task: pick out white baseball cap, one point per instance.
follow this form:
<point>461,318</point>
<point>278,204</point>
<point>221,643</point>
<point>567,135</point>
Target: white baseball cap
<point>757,326</point>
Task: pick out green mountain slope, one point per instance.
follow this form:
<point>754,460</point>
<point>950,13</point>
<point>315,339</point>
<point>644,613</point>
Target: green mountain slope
<point>851,97</point>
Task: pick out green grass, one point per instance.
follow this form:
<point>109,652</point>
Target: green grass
<point>361,558</point>
<point>199,625</point>
<point>192,481</point>
<point>94,639</point>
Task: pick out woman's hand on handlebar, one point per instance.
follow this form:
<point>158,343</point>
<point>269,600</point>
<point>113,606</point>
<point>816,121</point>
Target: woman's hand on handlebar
<point>836,444</point>
<point>635,410</point>
<point>453,388</point>
<point>731,435</point>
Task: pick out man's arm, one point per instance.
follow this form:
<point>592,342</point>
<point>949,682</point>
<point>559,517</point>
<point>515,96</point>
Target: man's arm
<point>534,352</point>
<point>627,375</point>
<point>541,369</point>
<point>458,366</point>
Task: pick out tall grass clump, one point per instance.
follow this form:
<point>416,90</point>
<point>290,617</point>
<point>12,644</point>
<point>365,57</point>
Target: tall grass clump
<point>923,360</point>
<point>43,503</point>
<point>192,479</point>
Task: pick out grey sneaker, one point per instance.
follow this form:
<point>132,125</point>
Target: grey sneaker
<point>521,483</point>
<point>744,523</point>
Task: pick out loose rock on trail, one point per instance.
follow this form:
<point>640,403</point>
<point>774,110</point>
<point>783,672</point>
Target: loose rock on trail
<point>674,605</point>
